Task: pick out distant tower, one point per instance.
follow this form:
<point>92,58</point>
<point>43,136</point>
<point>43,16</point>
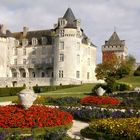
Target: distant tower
<point>114,46</point>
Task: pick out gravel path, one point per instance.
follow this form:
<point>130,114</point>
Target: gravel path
<point>74,132</point>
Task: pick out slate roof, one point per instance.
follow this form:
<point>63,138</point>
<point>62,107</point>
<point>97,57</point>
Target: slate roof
<point>36,34</point>
<point>114,40</point>
<point>8,34</point>
<point>69,16</point>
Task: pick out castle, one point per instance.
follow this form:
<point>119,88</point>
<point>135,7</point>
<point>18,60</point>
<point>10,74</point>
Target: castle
<point>114,46</point>
<point>62,55</point>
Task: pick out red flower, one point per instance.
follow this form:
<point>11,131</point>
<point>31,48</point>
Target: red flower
<point>35,116</point>
<point>100,100</point>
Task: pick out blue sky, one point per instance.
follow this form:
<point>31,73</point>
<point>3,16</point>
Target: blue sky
<point>98,17</point>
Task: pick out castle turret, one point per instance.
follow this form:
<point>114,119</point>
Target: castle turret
<point>114,46</point>
<point>71,44</point>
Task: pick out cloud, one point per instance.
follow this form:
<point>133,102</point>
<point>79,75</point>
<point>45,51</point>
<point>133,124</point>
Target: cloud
<point>98,18</point>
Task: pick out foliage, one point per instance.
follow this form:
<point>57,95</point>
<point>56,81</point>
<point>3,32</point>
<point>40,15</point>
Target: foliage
<point>41,89</point>
<point>122,128</point>
<point>114,69</point>
<point>35,116</point>
<point>137,72</point>
<point>99,100</point>
<point>10,91</point>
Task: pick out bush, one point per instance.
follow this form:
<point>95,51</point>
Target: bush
<point>122,86</point>
<point>137,72</point>
<point>10,91</point>
<point>41,89</point>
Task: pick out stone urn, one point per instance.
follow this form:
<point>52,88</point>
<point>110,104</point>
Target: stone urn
<point>27,97</point>
<point>100,91</point>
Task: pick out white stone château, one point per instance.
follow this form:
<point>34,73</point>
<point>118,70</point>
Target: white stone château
<point>62,55</point>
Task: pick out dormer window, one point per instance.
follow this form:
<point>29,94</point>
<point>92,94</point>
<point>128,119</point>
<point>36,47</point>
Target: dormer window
<point>16,43</point>
<point>62,22</point>
<point>34,41</point>
<point>24,42</point>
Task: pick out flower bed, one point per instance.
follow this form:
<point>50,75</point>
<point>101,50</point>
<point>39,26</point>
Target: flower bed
<point>35,116</point>
<point>114,129</point>
<point>100,100</point>
<point>88,113</point>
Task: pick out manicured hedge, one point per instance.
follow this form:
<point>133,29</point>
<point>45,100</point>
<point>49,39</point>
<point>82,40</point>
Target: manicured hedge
<point>41,89</point>
<point>10,91</point>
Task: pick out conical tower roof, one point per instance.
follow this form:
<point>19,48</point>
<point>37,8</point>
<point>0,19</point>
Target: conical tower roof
<point>69,16</point>
<point>114,40</point>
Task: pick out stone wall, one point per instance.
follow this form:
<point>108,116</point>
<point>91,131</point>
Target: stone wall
<point>11,82</point>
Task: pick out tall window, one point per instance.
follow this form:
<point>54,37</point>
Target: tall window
<point>24,61</point>
<point>78,46</point>
<point>88,75</point>
<point>77,74</point>
<point>24,51</point>
<point>60,73</point>
<point>61,57</point>
<point>33,60</point>
<point>88,61</point>
<point>15,61</point>
<point>61,46</point>
<point>34,51</point>
<point>78,59</point>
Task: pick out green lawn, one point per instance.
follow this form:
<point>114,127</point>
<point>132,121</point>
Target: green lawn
<point>79,91</point>
<point>133,80</point>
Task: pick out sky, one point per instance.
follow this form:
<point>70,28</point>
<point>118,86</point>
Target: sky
<point>99,18</point>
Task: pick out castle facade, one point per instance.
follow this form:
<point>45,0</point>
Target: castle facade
<point>62,55</point>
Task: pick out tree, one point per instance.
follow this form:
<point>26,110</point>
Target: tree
<point>114,69</point>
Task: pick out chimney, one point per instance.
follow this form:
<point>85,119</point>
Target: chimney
<point>3,29</point>
<point>25,30</point>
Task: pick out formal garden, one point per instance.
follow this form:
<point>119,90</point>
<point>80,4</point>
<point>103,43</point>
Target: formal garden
<point>112,110</point>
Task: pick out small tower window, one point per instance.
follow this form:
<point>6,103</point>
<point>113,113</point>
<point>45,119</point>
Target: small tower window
<point>61,45</point>
<point>60,73</point>
<point>61,57</point>
<point>33,60</point>
<point>89,61</point>
<point>77,74</point>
